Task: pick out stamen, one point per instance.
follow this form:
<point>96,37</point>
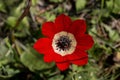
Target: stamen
<point>63,43</point>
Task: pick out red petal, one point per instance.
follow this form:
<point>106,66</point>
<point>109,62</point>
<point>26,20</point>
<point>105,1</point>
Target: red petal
<point>63,66</point>
<point>84,42</point>
<point>62,23</point>
<point>48,58</point>
<point>78,27</point>
<point>81,61</point>
<point>59,58</point>
<point>77,55</point>
<point>48,29</point>
<point>43,45</point>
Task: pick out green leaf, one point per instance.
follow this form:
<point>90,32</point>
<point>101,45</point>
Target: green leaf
<point>2,7</point>
<point>116,6</point>
<point>6,72</point>
<point>34,62</point>
<point>109,4</point>
<point>49,16</point>
<point>11,21</point>
<point>113,5</point>
<point>6,52</point>
<point>113,34</point>
<point>57,77</point>
<point>34,2</point>
<point>80,4</point>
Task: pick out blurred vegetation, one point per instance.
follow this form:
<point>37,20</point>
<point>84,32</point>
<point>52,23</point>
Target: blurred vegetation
<point>20,27</point>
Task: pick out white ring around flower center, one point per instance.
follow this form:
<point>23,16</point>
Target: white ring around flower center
<point>68,51</point>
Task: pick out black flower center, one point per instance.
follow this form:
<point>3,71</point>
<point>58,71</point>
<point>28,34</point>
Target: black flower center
<point>63,43</point>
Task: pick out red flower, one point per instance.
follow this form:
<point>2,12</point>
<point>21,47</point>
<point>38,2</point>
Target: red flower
<point>65,42</point>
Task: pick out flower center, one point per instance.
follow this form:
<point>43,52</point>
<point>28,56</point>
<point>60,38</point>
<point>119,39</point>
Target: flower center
<point>64,43</point>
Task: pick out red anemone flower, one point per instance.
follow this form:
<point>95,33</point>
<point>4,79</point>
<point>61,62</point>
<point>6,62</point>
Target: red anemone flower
<point>65,42</point>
